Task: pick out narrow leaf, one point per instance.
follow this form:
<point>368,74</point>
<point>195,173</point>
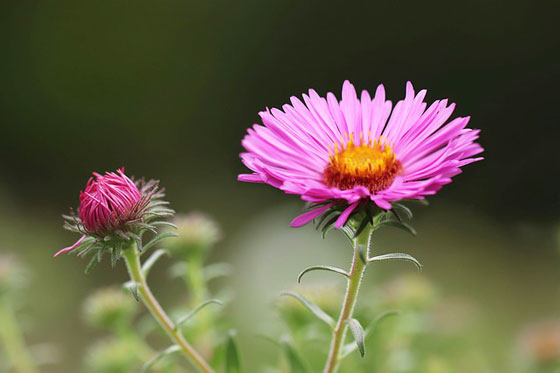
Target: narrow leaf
<point>158,238</point>
<point>296,363</point>
<point>233,363</point>
<point>133,288</point>
<point>396,224</point>
<point>358,333</point>
<point>349,348</point>
<point>322,268</point>
<point>149,263</point>
<point>168,351</point>
<point>189,315</point>
<point>396,256</point>
<point>311,307</point>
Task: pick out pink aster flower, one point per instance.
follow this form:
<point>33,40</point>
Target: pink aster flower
<point>109,201</point>
<point>112,206</point>
<point>358,150</point>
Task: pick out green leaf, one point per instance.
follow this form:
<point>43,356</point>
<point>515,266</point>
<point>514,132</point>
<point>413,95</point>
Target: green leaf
<point>349,348</point>
<point>358,333</point>
<point>396,256</point>
<point>311,307</point>
<point>396,224</point>
<point>322,268</point>
<point>233,363</point>
<point>158,238</point>
<point>189,315</point>
<point>402,210</point>
<point>133,288</point>
<point>149,263</point>
<point>296,363</point>
<point>168,351</point>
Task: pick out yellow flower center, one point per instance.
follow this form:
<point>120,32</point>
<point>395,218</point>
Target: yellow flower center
<point>372,165</point>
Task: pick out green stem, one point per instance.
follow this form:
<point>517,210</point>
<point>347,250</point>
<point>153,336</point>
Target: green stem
<point>354,280</point>
<point>135,271</point>
<point>12,339</point>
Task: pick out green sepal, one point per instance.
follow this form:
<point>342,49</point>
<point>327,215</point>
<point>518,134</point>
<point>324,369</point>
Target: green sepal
<point>402,210</point>
<point>168,351</point>
<point>322,315</point>
<point>358,333</point>
<point>363,224</point>
<point>149,263</point>
<point>158,238</point>
<point>397,256</point>
<point>329,217</point>
<point>233,362</point>
<point>189,315</point>
<point>115,256</point>
<point>91,265</point>
<point>133,288</point>
<point>349,348</point>
<point>395,224</point>
<point>164,223</point>
<point>322,268</point>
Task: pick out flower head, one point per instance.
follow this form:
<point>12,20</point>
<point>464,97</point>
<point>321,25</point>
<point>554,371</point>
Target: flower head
<point>109,308</point>
<point>113,211</point>
<point>358,150</point>
<point>197,233</point>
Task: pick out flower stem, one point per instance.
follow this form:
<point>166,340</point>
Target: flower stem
<point>135,271</point>
<point>12,339</point>
<point>354,280</point>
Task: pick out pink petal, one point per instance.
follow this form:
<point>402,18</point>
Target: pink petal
<point>66,249</point>
<point>308,216</point>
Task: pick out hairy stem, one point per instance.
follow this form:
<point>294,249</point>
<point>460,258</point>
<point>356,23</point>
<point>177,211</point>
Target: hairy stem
<point>12,339</point>
<point>135,271</point>
<point>355,279</point>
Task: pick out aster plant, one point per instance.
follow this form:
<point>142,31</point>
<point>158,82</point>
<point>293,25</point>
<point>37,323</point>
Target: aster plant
<point>114,215</point>
<point>355,161</point>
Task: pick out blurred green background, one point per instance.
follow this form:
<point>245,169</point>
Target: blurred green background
<point>168,88</point>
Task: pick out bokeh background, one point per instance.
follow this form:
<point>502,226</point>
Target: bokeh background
<point>167,89</point>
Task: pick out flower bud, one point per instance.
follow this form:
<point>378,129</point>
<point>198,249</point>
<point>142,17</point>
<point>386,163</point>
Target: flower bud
<point>113,211</point>
<point>197,234</point>
<point>109,308</point>
<point>113,355</point>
